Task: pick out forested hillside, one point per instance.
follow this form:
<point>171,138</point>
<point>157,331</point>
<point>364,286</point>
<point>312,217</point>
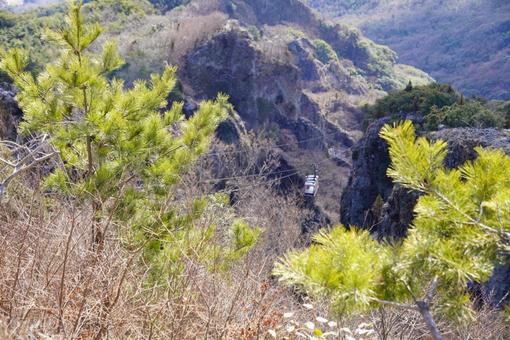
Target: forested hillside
<point>178,169</point>
<point>462,42</point>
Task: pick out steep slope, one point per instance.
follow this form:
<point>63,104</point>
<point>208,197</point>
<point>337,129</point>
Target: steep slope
<point>290,74</point>
<point>463,42</point>
<point>279,53</point>
<point>286,70</point>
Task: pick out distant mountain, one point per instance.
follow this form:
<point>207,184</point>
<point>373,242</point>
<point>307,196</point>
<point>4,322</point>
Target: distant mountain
<point>462,42</point>
<point>26,4</point>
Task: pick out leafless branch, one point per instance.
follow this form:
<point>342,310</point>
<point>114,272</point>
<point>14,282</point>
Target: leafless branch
<point>23,158</point>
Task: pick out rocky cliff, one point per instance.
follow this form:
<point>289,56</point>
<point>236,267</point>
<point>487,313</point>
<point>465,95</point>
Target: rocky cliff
<point>371,201</point>
<point>280,63</point>
<point>286,70</point>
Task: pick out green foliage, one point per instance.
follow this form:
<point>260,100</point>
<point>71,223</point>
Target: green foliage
<point>419,99</point>
<point>440,105</point>
<point>255,32</point>
<point>121,152</point>
<point>117,14</point>
<point>242,239</point>
<point>124,8</point>
<point>470,114</point>
<point>324,52</point>
<point>7,19</point>
<point>502,108</point>
<point>297,34</point>
<point>462,220</point>
<point>25,31</point>
<point>344,265</point>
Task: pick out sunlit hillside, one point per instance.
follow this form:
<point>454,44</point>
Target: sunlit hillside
<point>463,42</point>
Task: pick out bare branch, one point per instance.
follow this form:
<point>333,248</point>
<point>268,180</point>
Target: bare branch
<point>26,157</point>
<point>396,304</point>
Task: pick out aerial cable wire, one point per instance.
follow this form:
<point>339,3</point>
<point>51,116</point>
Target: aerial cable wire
<point>269,146</point>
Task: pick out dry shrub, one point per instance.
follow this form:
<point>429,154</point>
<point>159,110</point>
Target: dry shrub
<point>392,323</point>
<point>53,283</point>
<point>489,323</point>
<point>166,38</point>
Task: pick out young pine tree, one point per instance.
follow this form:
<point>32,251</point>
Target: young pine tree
<point>121,152</point>
<point>462,224</point>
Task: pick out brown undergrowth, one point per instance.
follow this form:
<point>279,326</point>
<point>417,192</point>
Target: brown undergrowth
<point>54,284</point>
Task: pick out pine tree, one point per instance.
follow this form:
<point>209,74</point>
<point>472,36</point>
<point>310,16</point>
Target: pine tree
<point>121,151</point>
<point>462,223</point>
<point>409,86</point>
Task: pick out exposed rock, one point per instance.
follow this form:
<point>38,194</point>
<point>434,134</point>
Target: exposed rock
<point>265,58</point>
<point>368,179</point>
<point>371,201</point>
<point>268,57</point>
<point>10,113</point>
<point>264,91</point>
<point>313,222</point>
<point>463,141</point>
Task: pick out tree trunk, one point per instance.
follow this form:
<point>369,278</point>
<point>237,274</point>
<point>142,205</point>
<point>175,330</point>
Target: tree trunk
<point>424,309</point>
<point>97,232</point>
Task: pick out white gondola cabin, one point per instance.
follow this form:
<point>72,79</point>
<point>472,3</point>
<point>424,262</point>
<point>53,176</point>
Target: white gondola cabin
<point>311,185</point>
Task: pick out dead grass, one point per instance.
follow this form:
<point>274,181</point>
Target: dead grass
<point>54,284</point>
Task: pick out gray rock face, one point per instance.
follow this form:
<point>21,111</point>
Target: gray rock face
<point>371,201</point>
<point>264,91</point>
<point>266,56</point>
<point>368,180</point>
<point>10,113</point>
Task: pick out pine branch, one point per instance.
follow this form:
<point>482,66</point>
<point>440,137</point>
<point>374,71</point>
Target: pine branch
<point>472,221</point>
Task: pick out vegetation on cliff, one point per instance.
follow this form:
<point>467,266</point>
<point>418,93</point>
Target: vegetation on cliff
<point>138,202</point>
<point>440,106</point>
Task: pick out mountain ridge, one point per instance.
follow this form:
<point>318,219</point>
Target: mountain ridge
<point>462,42</point>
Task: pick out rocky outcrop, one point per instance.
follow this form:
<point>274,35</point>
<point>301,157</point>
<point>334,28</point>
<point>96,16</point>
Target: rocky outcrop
<point>368,183</point>
<point>10,113</point>
<point>266,58</point>
<point>265,91</point>
<point>371,201</point>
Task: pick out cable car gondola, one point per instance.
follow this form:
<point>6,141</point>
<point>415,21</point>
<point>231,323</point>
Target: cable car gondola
<point>311,184</point>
